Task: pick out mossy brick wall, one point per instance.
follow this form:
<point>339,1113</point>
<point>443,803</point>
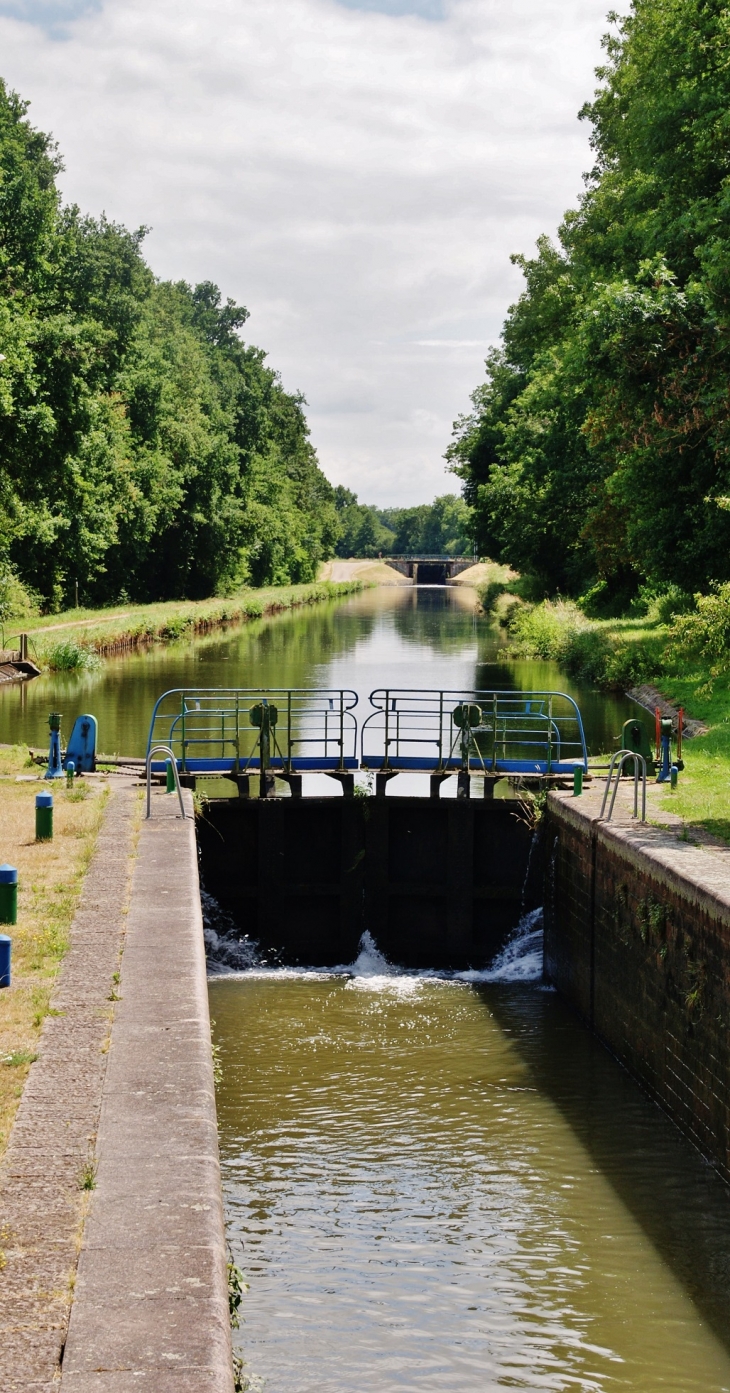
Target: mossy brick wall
<point>641,948</point>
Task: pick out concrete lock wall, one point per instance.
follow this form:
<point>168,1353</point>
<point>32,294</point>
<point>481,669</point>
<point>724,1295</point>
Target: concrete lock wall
<point>637,938</point>
<point>437,883</point>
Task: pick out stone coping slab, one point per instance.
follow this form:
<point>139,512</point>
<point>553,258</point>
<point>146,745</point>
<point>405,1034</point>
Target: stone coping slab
<point>151,1303</point>
<point>700,871</point>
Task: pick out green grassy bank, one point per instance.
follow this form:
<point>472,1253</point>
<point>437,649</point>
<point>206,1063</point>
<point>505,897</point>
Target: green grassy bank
<point>80,638</point>
<point>686,657</point>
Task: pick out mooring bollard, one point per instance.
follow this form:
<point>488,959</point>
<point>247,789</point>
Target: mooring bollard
<point>70,771</point>
<point>577,781</point>
<point>44,817</point>
<point>673,776</point>
<point>8,895</point>
<point>169,777</point>
<point>5,950</point>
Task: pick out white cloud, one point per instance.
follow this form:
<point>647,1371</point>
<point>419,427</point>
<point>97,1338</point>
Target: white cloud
<point>357,179</point>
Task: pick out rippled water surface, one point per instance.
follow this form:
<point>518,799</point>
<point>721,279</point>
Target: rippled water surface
<point>447,1184</point>
<point>395,637</point>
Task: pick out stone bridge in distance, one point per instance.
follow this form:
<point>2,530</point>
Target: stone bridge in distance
<point>430,570</point>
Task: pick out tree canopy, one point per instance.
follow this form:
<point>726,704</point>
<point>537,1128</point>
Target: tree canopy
<point>146,451</point>
<point>442,527</point>
<point>597,454</point>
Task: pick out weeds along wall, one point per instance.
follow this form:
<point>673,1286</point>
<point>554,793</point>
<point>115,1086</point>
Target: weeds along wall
<point>637,939</point>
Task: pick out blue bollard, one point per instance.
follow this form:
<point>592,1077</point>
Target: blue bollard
<point>5,949</point>
<point>8,895</point>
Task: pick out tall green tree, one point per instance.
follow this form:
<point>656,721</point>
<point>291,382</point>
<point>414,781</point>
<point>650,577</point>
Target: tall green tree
<point>598,447</point>
<point>145,449</point>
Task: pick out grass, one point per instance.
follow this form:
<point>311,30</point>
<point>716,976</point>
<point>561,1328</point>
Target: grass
<point>79,638</point>
<point>50,875</point>
<point>622,653</point>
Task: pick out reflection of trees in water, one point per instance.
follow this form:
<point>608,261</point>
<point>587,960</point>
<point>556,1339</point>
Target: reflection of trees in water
<point>441,618</point>
<point>285,653</point>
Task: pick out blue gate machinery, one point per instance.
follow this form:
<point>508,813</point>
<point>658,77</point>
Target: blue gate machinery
<point>286,732</point>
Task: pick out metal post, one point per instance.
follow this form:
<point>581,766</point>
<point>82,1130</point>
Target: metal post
<point>182,727</point>
<point>8,895</point>
<point>6,948</point>
<point>44,817</point>
<point>55,768</point>
<point>264,750</point>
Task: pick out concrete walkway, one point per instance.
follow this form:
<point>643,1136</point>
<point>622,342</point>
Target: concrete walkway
<point>151,1305</point>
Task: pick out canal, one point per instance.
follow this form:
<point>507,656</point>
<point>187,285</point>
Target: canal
<point>431,1182</point>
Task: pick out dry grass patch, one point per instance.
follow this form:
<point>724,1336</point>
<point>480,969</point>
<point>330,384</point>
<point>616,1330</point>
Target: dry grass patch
<point>49,881</point>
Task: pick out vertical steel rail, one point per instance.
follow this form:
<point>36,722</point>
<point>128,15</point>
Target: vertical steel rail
<point>550,733</point>
<point>182,724</point>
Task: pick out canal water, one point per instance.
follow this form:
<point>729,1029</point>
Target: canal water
<point>431,1182</point>
<point>399,636</point>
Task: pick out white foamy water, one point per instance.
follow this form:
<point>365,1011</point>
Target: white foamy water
<point>232,954</point>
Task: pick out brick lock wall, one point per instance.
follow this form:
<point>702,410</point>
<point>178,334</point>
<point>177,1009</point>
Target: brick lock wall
<point>642,951</point>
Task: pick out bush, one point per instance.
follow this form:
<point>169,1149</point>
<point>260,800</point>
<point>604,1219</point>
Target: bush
<point>559,632</point>
<point>490,593</point>
<point>16,601</point>
<point>705,633</point>
<point>69,656</point>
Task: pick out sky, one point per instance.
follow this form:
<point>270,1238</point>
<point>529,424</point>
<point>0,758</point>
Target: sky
<point>355,172</point>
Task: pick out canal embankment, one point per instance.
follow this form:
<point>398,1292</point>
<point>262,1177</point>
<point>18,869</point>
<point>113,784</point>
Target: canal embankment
<point>113,1269</point>
<point>77,639</point>
<point>660,658</point>
<point>637,940</point>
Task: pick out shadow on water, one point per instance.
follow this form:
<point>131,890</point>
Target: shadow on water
<point>674,1195</point>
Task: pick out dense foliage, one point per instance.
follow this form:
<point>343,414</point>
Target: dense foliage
<point>597,457</point>
<point>439,528</point>
<point>145,450</point>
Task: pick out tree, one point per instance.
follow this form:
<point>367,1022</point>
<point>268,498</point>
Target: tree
<point>598,447</point>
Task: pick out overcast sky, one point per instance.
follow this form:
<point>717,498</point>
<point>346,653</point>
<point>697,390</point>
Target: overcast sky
<point>356,172</point>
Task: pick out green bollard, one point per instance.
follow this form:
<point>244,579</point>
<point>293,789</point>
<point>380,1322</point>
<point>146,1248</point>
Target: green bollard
<point>577,781</point>
<point>673,777</point>
<point>8,895</point>
<point>70,771</point>
<point>169,777</point>
<point>44,817</point>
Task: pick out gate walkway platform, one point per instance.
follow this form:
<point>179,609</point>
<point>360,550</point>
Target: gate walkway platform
<point>286,732</point>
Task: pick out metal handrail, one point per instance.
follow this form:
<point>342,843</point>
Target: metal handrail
<point>518,731</point>
<point>156,750</point>
<point>639,766</point>
<point>212,726</point>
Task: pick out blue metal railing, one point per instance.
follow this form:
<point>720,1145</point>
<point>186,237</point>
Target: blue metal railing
<point>296,730</point>
<point>213,729</point>
<point>508,732</point>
